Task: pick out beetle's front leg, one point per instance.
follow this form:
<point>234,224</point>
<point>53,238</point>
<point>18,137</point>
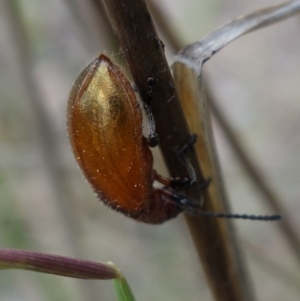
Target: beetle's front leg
<point>181,154</point>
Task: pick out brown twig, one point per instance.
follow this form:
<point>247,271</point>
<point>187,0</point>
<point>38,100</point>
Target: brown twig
<point>144,54</point>
<point>214,238</point>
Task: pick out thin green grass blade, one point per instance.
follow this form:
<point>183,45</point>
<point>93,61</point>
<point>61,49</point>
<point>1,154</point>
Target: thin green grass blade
<point>123,290</point>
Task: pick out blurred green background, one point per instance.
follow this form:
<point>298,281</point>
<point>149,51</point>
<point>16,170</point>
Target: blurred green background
<point>45,203</point>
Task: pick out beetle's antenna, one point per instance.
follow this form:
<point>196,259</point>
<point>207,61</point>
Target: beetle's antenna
<point>252,217</point>
<point>191,206</point>
<point>274,217</point>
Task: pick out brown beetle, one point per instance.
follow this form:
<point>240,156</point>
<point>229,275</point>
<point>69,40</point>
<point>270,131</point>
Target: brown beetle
<point>105,130</point>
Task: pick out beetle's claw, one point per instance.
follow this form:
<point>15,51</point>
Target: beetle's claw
<point>204,185</point>
<point>153,139</point>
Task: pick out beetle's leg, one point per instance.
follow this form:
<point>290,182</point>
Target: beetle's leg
<point>170,195</point>
<point>177,183</point>
<point>180,183</point>
<point>181,155</point>
<point>187,146</point>
<point>152,138</point>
